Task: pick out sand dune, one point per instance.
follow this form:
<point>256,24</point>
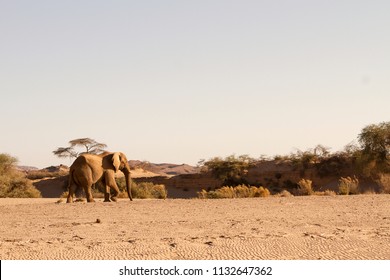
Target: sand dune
<point>342,227</point>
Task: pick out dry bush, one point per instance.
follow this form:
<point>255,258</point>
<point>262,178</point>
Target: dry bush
<point>14,184</point>
<point>369,191</point>
<point>348,185</point>
<point>146,190</point>
<point>384,183</point>
<point>325,193</point>
<point>142,190</point>
<point>240,191</point>
<point>284,193</point>
<point>203,194</point>
<point>305,187</point>
<point>224,192</point>
<point>330,193</point>
<point>261,192</point>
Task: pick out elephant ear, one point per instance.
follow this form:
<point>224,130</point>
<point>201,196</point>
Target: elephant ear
<point>116,161</point>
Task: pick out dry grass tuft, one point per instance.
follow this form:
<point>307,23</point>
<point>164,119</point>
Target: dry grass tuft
<point>240,191</point>
<point>147,190</point>
<point>305,187</point>
<point>348,185</point>
<point>326,193</point>
<point>284,193</point>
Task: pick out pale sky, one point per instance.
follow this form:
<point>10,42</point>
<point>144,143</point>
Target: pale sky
<point>178,81</point>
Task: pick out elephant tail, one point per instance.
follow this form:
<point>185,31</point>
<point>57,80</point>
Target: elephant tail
<point>71,186</point>
<point>72,179</point>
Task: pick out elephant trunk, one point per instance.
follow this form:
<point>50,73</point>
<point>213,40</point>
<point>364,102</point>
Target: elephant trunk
<point>128,182</point>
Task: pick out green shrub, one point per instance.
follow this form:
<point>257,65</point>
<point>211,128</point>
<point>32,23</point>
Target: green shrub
<point>240,191</point>
<point>348,186</point>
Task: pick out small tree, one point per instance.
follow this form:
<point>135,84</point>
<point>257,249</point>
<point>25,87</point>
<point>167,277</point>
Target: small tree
<point>90,145</point>
<point>375,140</point>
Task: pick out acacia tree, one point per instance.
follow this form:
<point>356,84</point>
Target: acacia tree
<point>91,147</point>
<point>375,143</point>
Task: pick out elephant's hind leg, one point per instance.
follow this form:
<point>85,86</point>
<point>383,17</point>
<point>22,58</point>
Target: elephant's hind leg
<point>88,193</point>
<point>71,191</point>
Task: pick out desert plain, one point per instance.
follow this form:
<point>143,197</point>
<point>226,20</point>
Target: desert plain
<point>274,228</point>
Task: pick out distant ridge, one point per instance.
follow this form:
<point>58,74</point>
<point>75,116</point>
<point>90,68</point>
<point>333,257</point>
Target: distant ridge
<point>159,169</point>
<point>164,169</point>
<point>26,168</point>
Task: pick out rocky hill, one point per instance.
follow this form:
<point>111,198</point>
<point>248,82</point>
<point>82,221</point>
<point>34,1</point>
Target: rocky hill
<point>164,169</point>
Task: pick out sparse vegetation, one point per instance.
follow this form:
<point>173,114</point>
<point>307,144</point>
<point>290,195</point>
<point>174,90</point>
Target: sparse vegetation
<point>142,190</point>
<point>284,193</point>
<point>14,183</point>
<point>304,187</point>
<point>333,164</point>
<point>348,185</point>
<point>148,190</point>
<point>325,193</point>
<point>230,170</point>
<point>241,191</point>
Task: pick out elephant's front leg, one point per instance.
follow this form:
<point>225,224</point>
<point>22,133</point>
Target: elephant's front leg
<point>109,179</point>
<point>107,193</point>
<point>106,189</point>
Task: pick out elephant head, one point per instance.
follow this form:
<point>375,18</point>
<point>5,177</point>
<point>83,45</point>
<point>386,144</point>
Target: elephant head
<point>88,169</point>
<point>120,162</point>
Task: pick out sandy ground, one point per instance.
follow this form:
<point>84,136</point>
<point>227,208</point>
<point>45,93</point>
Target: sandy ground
<point>342,227</point>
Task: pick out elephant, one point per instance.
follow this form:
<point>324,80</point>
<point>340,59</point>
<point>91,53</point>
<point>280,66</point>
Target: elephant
<point>88,169</point>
